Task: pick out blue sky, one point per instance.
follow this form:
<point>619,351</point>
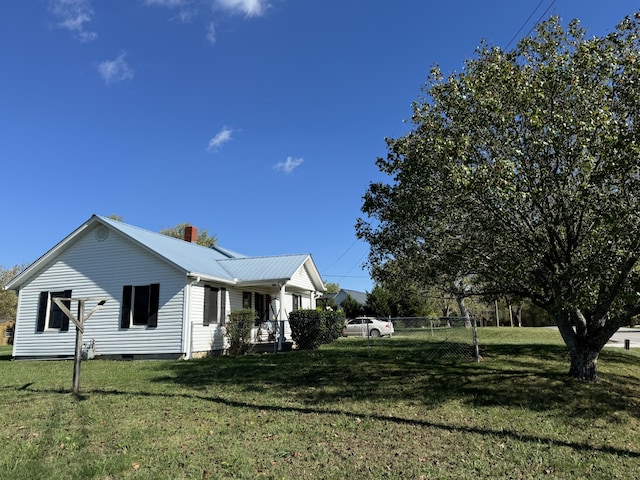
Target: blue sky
<point>257,120</point>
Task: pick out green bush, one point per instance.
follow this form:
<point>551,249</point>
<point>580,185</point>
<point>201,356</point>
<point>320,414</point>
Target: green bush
<point>334,323</point>
<point>239,328</point>
<point>312,328</point>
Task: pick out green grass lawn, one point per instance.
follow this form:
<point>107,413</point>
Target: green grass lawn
<point>400,408</point>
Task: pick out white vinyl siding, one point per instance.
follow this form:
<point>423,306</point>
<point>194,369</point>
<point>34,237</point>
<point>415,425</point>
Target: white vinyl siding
<point>210,337</point>
<point>92,268</point>
<point>301,279</point>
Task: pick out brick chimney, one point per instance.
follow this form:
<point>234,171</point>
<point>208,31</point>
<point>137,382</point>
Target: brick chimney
<point>190,234</point>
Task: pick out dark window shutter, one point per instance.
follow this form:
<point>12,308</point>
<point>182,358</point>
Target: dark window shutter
<point>42,311</point>
<point>154,303</point>
<point>125,316</point>
<point>223,305</point>
<point>65,319</point>
<point>205,315</point>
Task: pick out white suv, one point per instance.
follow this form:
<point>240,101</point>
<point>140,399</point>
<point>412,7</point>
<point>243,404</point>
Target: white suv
<point>368,326</point>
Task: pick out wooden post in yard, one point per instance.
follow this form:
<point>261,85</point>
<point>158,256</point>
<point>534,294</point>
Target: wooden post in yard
<point>79,323</point>
<point>78,355</point>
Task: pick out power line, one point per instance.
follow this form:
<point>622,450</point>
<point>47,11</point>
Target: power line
<point>343,254</point>
<point>345,276</point>
<point>529,18</point>
<point>540,18</point>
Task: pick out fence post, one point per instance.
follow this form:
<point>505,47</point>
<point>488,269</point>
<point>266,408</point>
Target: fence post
<point>476,347</point>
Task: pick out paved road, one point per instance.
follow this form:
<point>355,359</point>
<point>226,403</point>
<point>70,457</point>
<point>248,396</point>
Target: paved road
<point>631,334</point>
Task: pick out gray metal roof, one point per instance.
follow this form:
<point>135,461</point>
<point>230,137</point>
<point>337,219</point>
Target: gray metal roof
<point>214,263</point>
<point>263,268</point>
<point>190,257</point>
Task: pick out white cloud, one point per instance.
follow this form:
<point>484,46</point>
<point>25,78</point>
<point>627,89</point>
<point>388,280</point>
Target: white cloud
<point>251,8</point>
<point>72,15</point>
<point>115,70</point>
<point>188,10</point>
<point>211,33</point>
<point>289,165</point>
<point>220,138</point>
<point>186,15</point>
<point>166,3</point>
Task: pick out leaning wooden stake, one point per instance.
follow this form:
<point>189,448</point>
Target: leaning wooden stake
<point>79,323</point>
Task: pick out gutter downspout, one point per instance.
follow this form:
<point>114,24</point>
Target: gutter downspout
<point>188,324</point>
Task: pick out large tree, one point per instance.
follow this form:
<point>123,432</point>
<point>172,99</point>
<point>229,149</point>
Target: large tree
<point>521,176</point>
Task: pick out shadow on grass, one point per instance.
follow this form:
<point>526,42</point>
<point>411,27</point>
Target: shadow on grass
<point>580,447</point>
<point>5,352</point>
<point>533,377</point>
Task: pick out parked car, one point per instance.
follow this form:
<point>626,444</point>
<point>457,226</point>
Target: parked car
<point>368,326</point>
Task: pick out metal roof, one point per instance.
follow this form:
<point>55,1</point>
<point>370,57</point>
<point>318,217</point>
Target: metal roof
<point>263,268</point>
<point>190,257</point>
<point>214,263</point>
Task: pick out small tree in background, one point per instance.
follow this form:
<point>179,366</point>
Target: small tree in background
<point>332,287</point>
<point>351,307</point>
<point>204,238</point>
<point>8,299</point>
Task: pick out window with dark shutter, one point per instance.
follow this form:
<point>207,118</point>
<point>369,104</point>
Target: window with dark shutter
<point>50,316</point>
<point>140,305</point>
<point>210,305</point>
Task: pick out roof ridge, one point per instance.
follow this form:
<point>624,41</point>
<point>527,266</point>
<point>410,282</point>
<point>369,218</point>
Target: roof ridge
<point>219,248</point>
<point>267,256</point>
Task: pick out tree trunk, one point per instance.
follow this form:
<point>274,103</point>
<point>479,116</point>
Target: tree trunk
<point>464,313</point>
<point>518,315</point>
<point>583,347</point>
<point>584,364</point>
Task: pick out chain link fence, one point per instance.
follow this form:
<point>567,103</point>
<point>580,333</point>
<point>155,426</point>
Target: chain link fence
<point>445,339</point>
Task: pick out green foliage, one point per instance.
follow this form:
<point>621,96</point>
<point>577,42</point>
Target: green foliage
<point>399,301</point>
<point>334,323</point>
<point>379,302</point>
<point>312,328</point>
<point>351,307</point>
<point>238,331</point>
<point>8,299</point>
<point>204,238</point>
<point>332,287</point>
<point>521,178</point>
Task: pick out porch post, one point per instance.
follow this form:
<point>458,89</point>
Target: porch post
<point>281,319</point>
<point>312,299</point>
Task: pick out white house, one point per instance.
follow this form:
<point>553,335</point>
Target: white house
<point>165,297</point>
